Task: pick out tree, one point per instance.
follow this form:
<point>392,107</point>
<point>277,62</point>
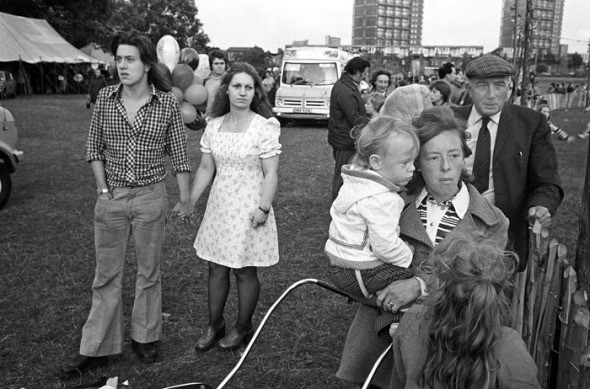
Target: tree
<point>542,68</point>
<point>156,18</point>
<point>79,22</point>
<point>95,21</point>
<point>575,61</point>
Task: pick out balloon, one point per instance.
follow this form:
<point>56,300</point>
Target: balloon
<point>203,69</point>
<point>164,72</point>
<point>189,57</point>
<point>197,80</point>
<point>168,51</point>
<point>178,94</point>
<point>182,76</point>
<point>195,94</point>
<point>188,112</point>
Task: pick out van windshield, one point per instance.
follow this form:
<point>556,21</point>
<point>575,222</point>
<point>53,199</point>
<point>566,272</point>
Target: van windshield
<point>295,73</point>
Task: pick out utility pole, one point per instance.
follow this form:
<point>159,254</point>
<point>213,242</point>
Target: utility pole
<point>528,21</point>
<point>515,31</point>
<point>588,76</point>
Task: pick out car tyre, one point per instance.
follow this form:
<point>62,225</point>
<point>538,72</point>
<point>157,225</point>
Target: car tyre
<point>5,185</point>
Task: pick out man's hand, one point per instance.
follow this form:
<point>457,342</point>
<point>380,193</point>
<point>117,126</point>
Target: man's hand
<point>541,214</point>
<point>398,294</point>
<point>183,209</point>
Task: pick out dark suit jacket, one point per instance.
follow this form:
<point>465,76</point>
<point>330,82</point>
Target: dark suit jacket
<point>525,170</point>
<point>347,109</point>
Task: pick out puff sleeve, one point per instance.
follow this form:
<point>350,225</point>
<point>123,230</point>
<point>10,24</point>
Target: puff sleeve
<point>206,138</point>
<point>268,144</point>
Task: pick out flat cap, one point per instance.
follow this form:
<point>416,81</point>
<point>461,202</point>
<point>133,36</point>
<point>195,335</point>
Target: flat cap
<point>488,66</point>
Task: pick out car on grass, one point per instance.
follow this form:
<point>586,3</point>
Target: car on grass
<point>7,84</point>
<point>9,155</point>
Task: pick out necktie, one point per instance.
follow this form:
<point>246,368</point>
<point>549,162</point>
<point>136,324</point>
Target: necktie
<point>481,164</point>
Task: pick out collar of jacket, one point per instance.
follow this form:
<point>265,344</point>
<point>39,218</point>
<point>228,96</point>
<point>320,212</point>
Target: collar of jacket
<point>479,209</point>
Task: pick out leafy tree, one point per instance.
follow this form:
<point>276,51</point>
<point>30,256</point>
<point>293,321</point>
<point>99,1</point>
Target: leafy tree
<point>156,18</point>
<point>575,61</point>
<point>79,22</point>
<point>542,68</point>
<point>94,21</point>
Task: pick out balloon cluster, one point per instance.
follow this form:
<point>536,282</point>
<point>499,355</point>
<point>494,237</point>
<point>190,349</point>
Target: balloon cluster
<point>187,88</point>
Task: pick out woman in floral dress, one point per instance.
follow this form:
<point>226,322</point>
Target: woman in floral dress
<point>241,149</point>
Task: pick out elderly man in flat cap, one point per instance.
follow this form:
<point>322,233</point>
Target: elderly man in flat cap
<point>513,162</point>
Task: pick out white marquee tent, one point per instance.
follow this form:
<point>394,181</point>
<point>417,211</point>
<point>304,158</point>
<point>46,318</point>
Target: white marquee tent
<point>34,41</point>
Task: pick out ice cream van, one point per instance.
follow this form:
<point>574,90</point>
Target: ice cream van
<point>307,76</point>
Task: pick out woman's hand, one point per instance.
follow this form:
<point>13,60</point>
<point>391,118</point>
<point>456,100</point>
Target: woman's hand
<point>398,294</point>
<point>183,210</point>
<point>258,218</point>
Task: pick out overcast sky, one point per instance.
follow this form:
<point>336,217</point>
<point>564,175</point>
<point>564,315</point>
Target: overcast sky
<point>270,24</point>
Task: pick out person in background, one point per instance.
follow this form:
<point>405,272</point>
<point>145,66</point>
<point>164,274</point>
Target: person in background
<point>218,63</point>
<point>440,91</point>
<point>448,73</point>
<point>240,154</point>
<point>380,82</point>
<point>460,336</point>
<point>374,102</point>
<point>268,82</point>
<point>95,84</point>
<point>134,126</point>
<point>561,134</point>
<point>406,102</point>
<point>347,109</point>
<point>514,162</point>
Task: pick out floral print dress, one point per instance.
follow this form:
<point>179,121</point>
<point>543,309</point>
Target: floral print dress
<point>225,236</point>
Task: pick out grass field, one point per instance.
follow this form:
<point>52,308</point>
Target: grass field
<point>47,262</point>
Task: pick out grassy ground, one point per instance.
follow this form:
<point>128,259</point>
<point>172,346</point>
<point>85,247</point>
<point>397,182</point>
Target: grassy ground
<point>47,262</point>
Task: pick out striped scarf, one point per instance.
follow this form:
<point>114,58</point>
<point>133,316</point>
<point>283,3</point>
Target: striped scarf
<point>448,222</point>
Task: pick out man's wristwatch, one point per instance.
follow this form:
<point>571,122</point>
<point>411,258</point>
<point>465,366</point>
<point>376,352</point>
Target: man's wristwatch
<point>102,191</point>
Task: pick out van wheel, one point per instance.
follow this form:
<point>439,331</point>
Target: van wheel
<point>5,185</point>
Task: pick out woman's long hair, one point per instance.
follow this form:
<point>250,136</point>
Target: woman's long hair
<point>147,55</point>
<point>259,104</point>
<point>471,277</point>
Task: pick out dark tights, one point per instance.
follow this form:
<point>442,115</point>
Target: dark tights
<point>248,291</point>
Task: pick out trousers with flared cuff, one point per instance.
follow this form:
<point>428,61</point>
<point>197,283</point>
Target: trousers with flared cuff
<point>139,212</point>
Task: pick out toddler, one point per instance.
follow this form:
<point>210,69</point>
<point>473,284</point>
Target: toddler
<point>364,248</point>
<point>373,104</point>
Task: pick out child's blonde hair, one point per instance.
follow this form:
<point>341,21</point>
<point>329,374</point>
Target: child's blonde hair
<point>377,100</point>
<point>377,135</point>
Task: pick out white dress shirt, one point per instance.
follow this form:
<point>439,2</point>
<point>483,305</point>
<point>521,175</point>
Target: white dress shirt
<point>473,127</point>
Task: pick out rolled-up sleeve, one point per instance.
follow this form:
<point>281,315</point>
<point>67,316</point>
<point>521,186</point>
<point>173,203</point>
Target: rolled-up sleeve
<point>95,145</point>
<point>176,141</point>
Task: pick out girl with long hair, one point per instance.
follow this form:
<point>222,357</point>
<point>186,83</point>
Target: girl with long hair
<point>460,337</point>
<point>238,233</point>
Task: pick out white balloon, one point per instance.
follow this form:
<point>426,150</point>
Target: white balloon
<point>203,70</point>
<point>168,51</point>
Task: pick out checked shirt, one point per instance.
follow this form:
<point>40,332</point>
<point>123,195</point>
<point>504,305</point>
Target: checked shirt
<point>134,155</point>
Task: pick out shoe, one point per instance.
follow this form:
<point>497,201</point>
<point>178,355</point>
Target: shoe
<point>584,135</point>
<point>207,341</point>
<point>81,365</point>
<point>146,352</point>
<point>234,339</point>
